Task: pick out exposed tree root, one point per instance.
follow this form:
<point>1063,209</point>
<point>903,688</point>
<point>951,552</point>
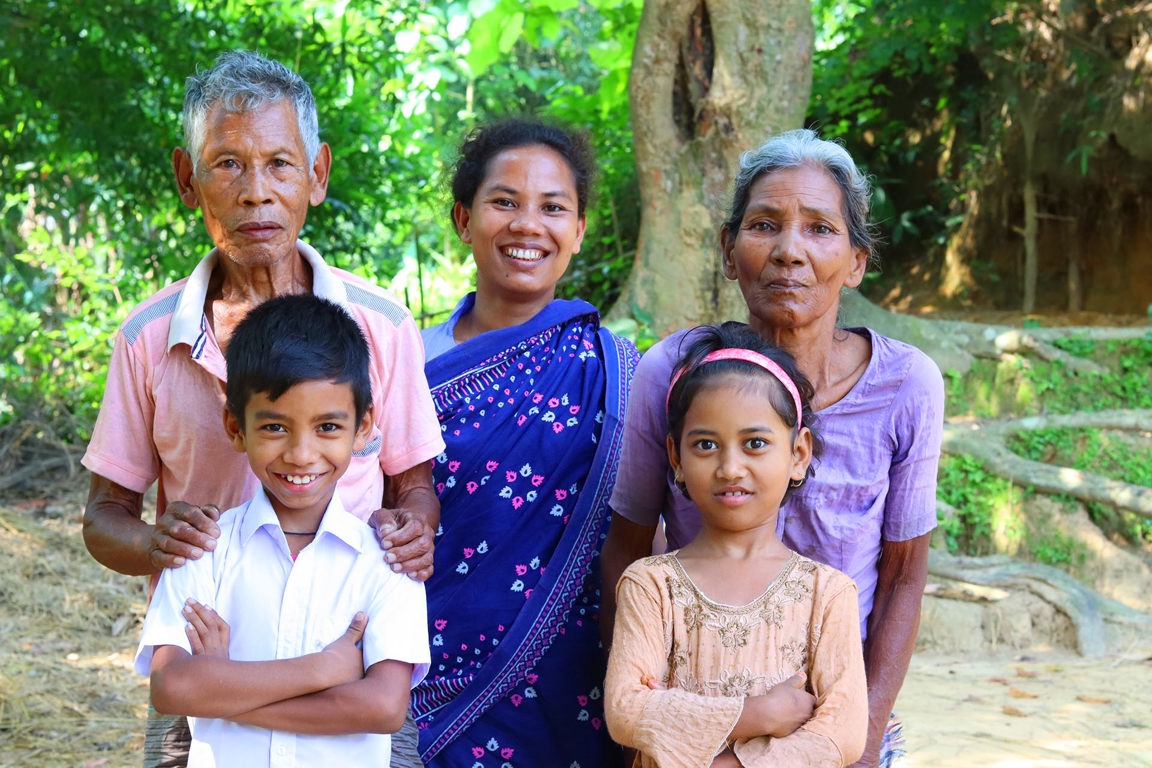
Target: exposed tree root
<point>987,443</point>
<point>1101,625</point>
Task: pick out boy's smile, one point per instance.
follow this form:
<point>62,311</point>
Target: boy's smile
<point>299,445</point>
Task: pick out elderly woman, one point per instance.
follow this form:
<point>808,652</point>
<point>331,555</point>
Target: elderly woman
<point>797,234</point>
<point>530,393</point>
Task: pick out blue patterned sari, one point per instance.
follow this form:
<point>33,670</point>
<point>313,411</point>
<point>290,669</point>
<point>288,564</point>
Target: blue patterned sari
<point>532,417</point>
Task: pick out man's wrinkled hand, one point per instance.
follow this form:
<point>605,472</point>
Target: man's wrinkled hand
<point>407,542</point>
<point>184,532</point>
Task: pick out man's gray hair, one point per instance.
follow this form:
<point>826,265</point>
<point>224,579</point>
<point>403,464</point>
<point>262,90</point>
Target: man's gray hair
<point>240,81</point>
<point>803,147</point>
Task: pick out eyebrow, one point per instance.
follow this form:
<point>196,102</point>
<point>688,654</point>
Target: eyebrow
<point>744,431</point>
<point>562,193</point>
<point>265,414</point>
<point>807,210</point>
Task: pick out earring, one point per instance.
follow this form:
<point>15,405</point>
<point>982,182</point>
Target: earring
<point>797,483</point>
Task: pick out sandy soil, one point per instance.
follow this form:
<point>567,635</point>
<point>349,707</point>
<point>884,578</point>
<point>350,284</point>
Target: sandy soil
<point>1042,710</point>
<point>68,697</point>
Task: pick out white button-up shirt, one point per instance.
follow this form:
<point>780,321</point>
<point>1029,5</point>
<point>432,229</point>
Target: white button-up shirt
<point>280,609</point>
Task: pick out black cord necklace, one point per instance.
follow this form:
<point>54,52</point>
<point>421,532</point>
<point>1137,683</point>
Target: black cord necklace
<point>300,533</point>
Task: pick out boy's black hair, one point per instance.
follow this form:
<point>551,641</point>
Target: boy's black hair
<point>292,339</point>
<point>733,335</point>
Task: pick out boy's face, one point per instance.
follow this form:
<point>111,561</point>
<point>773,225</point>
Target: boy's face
<point>300,444</point>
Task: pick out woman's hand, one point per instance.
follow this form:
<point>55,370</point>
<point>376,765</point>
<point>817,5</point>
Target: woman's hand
<point>782,710</point>
<point>208,634</point>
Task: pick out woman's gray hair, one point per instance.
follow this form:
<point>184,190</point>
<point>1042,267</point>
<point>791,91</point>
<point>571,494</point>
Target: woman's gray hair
<point>240,81</point>
<point>803,147</point>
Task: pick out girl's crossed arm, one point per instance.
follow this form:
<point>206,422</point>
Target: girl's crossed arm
<point>672,726</point>
<point>836,733</point>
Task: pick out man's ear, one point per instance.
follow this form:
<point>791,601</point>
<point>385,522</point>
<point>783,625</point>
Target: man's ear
<point>321,171</point>
<point>363,430</point>
<point>182,168</point>
<point>234,429</point>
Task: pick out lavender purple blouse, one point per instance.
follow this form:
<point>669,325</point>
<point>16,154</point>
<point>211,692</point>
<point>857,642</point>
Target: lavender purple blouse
<point>875,481</point>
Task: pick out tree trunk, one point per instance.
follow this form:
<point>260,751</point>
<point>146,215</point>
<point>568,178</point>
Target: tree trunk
<point>1031,226</point>
<point>709,80</point>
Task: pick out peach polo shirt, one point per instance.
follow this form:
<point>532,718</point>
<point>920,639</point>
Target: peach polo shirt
<point>162,414</point>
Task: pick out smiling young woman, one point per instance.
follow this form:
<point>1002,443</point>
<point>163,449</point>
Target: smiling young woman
<point>530,392</point>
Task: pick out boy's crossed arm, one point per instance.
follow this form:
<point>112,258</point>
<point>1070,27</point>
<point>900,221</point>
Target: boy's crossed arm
<point>323,693</point>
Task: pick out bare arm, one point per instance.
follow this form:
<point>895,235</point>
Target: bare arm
<point>892,631</point>
<point>408,521</point>
<point>377,703</point>
<point>626,542</point>
<point>215,686</point>
<point>117,536</point>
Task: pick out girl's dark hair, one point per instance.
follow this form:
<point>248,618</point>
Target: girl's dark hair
<point>484,143</point>
<point>292,339</point>
<point>706,339</point>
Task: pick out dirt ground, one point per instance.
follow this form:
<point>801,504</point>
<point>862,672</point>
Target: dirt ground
<point>68,696</point>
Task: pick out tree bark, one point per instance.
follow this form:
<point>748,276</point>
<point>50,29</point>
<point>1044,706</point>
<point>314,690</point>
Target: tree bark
<point>709,80</point>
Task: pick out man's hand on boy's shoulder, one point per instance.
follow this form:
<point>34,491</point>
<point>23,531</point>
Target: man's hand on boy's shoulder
<point>184,532</point>
<point>407,523</point>
<point>407,541</point>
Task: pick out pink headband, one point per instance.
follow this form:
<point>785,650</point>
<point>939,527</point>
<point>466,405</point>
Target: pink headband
<point>748,356</point>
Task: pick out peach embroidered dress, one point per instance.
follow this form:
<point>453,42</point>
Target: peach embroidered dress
<point>708,656</point>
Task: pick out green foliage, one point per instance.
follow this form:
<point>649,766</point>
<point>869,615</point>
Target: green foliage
<point>986,507</point>
<point>89,114</point>
<point>1028,387</point>
<point>1058,550</point>
<point>1102,453</point>
<point>1019,387</point>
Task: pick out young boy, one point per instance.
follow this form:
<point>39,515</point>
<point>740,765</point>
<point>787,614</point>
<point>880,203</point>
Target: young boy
<point>291,643</point>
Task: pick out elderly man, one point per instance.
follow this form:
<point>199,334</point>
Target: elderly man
<point>252,163</point>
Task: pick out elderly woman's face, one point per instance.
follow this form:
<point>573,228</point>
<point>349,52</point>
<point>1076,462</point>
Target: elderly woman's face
<point>791,253</point>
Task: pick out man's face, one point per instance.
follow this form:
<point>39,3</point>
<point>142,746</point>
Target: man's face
<point>252,182</point>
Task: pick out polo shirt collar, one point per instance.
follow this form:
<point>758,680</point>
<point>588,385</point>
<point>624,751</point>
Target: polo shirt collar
<point>337,521</point>
<point>188,320</point>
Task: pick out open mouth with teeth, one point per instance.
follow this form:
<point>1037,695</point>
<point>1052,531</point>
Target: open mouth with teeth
<point>300,479</point>
<point>524,254</point>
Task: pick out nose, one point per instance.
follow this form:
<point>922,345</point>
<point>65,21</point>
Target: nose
<point>255,186</point>
<point>731,465</point>
<point>788,247</point>
<point>300,451</point>
<point>525,220</point>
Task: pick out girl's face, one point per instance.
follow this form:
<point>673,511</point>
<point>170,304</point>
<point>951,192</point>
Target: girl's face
<point>523,225</point>
<point>736,455</point>
<point>791,253</point>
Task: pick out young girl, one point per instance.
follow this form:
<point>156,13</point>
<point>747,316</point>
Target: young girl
<point>736,651</point>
